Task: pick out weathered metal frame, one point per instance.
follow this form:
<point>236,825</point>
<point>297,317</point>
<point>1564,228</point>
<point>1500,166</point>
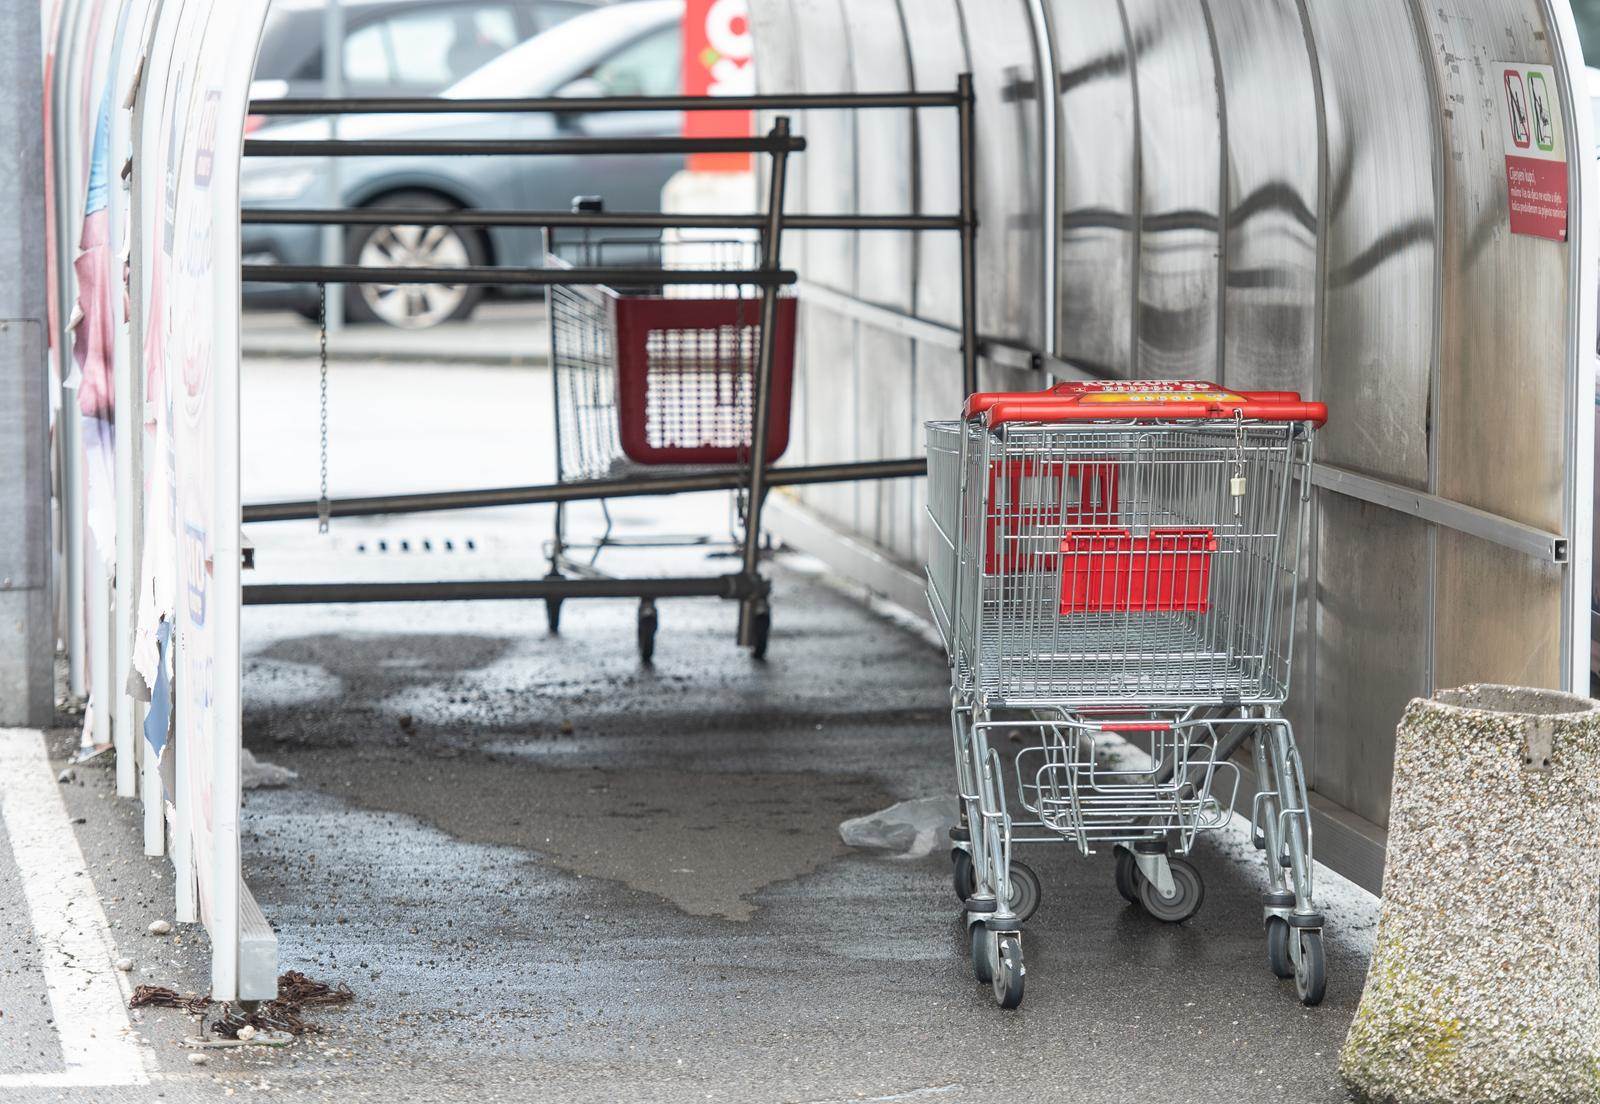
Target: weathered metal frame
<point>1526,539</point>
<point>748,587</point>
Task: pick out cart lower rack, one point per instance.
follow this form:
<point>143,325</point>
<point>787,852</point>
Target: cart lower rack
<point>1113,568</point>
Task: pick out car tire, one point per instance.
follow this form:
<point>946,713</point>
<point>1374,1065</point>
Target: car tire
<point>410,306</point>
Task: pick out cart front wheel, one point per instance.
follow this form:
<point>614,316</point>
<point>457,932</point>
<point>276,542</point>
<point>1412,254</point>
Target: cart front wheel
<point>1127,876</point>
<point>962,875</point>
<point>647,629</point>
<point>1278,947</point>
<point>1008,972</point>
<point>1188,891</point>
<point>1025,890</point>
<point>984,953</point>
<point>552,606</point>
<point>1311,972</point>
<point>760,629</point>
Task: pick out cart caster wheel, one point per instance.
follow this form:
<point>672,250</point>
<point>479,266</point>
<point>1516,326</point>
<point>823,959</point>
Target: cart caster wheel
<point>1188,891</point>
<point>1127,876</point>
<point>647,630</point>
<point>1008,972</point>
<point>1278,947</point>
<point>760,629</point>
<point>1025,890</point>
<point>985,951</point>
<point>962,876</point>
<point>1311,972</point>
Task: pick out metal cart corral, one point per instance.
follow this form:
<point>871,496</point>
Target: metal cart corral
<point>753,478</point>
<point>1113,567</point>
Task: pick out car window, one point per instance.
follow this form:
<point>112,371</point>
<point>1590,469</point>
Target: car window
<point>647,67</point>
<point>429,47</point>
<point>366,55</point>
<point>547,14</point>
<point>1587,13</point>
<point>546,62</point>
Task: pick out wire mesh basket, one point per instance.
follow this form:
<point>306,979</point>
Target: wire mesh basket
<point>652,377</point>
<point>1117,561</point>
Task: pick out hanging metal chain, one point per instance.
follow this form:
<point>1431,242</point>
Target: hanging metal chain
<point>322,323</point>
<point>1236,485</point>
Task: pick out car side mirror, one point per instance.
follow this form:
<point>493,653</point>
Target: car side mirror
<point>583,88</point>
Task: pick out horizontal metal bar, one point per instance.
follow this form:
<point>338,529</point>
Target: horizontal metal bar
<point>499,147</point>
<point>577,105</point>
<point>870,222</point>
<point>1542,545</point>
<point>716,480</point>
<point>1001,353</point>
<point>392,216</point>
<point>292,594</point>
<point>540,277</point>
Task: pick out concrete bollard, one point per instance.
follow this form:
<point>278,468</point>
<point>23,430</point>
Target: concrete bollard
<point>1483,984</point>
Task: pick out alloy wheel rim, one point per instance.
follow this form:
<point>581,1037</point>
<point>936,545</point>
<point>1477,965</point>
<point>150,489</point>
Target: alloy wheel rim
<point>414,306</point>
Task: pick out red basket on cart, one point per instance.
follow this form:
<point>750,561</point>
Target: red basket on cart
<point>685,376</point>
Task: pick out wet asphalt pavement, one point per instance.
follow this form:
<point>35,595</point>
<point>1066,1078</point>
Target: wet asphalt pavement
<point>553,873</point>
<point>538,860</point>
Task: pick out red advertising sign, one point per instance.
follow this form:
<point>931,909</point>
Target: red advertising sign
<point>717,61</point>
<point>1535,149</point>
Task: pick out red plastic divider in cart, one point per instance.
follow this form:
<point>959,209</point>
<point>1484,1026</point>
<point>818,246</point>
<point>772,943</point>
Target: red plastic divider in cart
<point>1114,571</point>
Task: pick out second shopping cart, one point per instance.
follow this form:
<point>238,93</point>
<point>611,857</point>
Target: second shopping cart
<point>1114,567</point>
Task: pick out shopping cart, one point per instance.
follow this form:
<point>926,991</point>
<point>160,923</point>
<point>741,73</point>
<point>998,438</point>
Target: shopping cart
<point>1113,567</point>
<point>650,380</point>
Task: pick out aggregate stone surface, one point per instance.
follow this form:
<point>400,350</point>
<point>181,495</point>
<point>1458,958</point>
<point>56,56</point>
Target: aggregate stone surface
<point>1484,981</point>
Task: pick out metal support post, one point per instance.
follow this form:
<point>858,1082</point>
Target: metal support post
<point>333,236</point>
<point>27,621</point>
<point>969,235</point>
<point>771,251</point>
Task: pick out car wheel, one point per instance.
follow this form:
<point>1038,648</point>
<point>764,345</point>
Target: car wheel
<point>414,306</point>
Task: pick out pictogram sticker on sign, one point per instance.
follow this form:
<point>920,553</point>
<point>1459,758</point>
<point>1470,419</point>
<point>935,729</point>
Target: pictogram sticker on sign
<point>1536,150</point>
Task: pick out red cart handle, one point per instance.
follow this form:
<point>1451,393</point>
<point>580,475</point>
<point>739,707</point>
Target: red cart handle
<point>1154,400</point>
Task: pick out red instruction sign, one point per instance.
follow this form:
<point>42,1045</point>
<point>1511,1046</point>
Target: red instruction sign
<point>1535,149</point>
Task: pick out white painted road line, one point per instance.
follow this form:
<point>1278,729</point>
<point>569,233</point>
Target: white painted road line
<point>88,995</point>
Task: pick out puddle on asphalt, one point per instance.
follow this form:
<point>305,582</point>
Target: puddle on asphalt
<point>705,842</point>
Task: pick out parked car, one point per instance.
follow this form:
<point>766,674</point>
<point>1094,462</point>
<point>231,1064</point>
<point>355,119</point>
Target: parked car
<point>625,49</point>
<point>397,47</point>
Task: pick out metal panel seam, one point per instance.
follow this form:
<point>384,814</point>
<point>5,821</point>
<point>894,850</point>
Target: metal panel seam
<point>1420,26</point>
<point>1581,306</point>
<point>1319,349</point>
<point>1049,195</point>
<point>1223,205</point>
<point>1136,199</point>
